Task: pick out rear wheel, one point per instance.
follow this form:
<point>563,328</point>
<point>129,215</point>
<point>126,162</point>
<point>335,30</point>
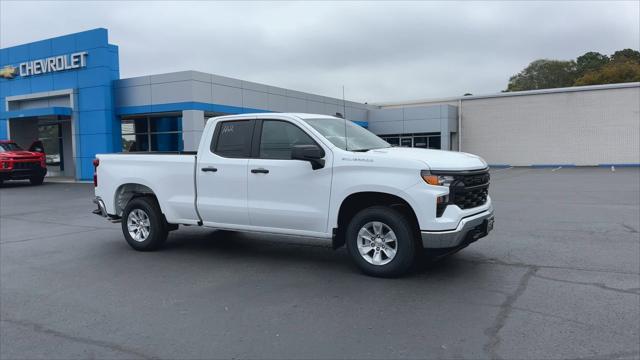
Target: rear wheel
<point>143,224</point>
<point>381,242</point>
<point>37,180</point>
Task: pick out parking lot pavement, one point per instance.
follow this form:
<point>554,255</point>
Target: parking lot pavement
<point>558,278</point>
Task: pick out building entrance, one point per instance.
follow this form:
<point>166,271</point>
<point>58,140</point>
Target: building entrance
<point>55,134</point>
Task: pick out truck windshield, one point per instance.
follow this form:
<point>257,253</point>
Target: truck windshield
<point>9,147</point>
<point>346,135</point>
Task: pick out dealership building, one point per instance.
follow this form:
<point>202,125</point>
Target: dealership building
<point>67,92</point>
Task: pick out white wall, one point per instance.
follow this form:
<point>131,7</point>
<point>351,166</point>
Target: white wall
<point>582,128</point>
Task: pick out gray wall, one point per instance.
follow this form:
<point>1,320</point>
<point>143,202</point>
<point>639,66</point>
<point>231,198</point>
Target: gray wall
<point>187,86</point>
<point>417,119</point>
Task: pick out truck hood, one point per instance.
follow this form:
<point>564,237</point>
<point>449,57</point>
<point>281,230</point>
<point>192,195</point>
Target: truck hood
<point>20,154</point>
<point>435,159</point>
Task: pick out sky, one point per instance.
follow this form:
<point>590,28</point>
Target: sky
<point>379,51</point>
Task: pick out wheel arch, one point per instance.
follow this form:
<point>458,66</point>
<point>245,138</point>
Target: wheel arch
<point>125,192</point>
<point>358,201</point>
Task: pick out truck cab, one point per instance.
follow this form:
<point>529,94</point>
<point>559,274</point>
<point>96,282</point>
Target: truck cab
<point>306,175</point>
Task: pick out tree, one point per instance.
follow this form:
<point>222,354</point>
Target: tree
<point>544,74</point>
<point>626,55</point>
<point>590,61</point>
<point>612,73</point>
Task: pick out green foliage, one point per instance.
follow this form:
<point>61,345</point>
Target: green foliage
<point>590,61</point>
<point>544,74</point>
<point>626,55</point>
<point>612,73</point>
<point>591,68</point>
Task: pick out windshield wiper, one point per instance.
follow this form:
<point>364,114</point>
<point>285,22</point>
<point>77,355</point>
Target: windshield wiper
<point>365,150</point>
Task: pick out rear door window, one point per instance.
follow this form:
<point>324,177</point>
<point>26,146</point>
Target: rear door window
<point>232,139</point>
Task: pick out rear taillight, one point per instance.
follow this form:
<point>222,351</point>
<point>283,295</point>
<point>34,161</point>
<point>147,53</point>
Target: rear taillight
<point>96,163</point>
<point>43,161</point>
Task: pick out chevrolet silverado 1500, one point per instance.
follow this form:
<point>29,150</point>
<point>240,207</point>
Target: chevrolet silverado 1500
<point>305,175</point>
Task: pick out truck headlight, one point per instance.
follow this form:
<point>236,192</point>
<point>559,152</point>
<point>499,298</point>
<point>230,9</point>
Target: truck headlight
<point>438,180</point>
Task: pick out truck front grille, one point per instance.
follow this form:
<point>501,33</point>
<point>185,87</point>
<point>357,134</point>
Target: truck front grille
<point>23,165</point>
<point>469,189</point>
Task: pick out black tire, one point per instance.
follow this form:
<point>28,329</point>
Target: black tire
<point>37,180</point>
<point>404,232</point>
<point>157,230</point>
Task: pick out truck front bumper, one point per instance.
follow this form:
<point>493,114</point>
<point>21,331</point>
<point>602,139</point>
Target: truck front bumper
<point>23,174</point>
<point>469,230</point>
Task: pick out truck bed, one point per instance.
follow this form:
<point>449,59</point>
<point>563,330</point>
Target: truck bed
<point>170,176</point>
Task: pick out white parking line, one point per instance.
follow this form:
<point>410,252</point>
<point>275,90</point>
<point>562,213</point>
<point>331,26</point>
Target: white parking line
<point>558,168</point>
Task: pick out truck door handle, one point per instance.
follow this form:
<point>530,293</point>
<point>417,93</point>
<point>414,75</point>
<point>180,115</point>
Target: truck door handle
<point>211,169</point>
<point>260,171</point>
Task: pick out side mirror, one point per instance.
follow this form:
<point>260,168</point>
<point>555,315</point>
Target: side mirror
<point>311,153</point>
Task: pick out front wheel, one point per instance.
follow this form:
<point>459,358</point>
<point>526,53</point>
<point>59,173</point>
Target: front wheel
<point>143,224</point>
<point>381,242</point>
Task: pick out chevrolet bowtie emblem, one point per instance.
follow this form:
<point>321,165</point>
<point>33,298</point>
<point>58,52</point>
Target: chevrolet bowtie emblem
<point>8,72</point>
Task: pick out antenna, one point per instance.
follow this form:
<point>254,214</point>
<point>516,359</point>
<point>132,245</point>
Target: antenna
<point>344,111</point>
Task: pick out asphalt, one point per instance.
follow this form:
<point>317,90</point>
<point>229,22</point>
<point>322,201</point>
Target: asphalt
<point>558,278</point>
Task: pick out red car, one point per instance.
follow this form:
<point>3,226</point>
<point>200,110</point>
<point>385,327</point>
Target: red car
<point>19,164</point>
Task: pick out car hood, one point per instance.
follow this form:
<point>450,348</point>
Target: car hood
<point>435,159</point>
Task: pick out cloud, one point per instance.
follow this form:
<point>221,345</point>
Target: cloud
<point>379,51</point>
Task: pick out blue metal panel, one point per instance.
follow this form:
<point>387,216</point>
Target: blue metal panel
<point>95,76</point>
<point>65,80</point>
<point>364,124</point>
<point>3,129</point>
<point>19,87</point>
<point>93,122</point>
<point>40,49</point>
<point>620,165</point>
<point>41,83</point>
<point>180,106</point>
<point>95,98</point>
<point>92,39</point>
<point>18,53</point>
<point>63,45</point>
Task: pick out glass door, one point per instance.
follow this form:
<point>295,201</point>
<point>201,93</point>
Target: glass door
<point>51,137</point>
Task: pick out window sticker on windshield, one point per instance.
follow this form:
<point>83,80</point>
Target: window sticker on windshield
<point>227,129</point>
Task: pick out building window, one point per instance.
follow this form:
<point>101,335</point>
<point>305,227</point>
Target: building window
<point>427,141</point>
<point>152,133</point>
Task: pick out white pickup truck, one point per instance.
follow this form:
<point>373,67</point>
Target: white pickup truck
<point>311,176</point>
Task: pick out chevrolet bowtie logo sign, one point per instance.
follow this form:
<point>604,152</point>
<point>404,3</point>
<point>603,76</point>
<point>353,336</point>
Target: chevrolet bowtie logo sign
<point>8,72</point>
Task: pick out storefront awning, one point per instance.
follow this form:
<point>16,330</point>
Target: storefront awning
<point>48,111</point>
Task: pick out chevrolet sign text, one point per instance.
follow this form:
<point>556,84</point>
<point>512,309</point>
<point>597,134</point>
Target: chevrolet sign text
<point>53,64</point>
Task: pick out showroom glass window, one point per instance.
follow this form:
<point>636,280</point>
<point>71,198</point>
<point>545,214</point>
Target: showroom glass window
<point>152,133</point>
<point>422,140</point>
